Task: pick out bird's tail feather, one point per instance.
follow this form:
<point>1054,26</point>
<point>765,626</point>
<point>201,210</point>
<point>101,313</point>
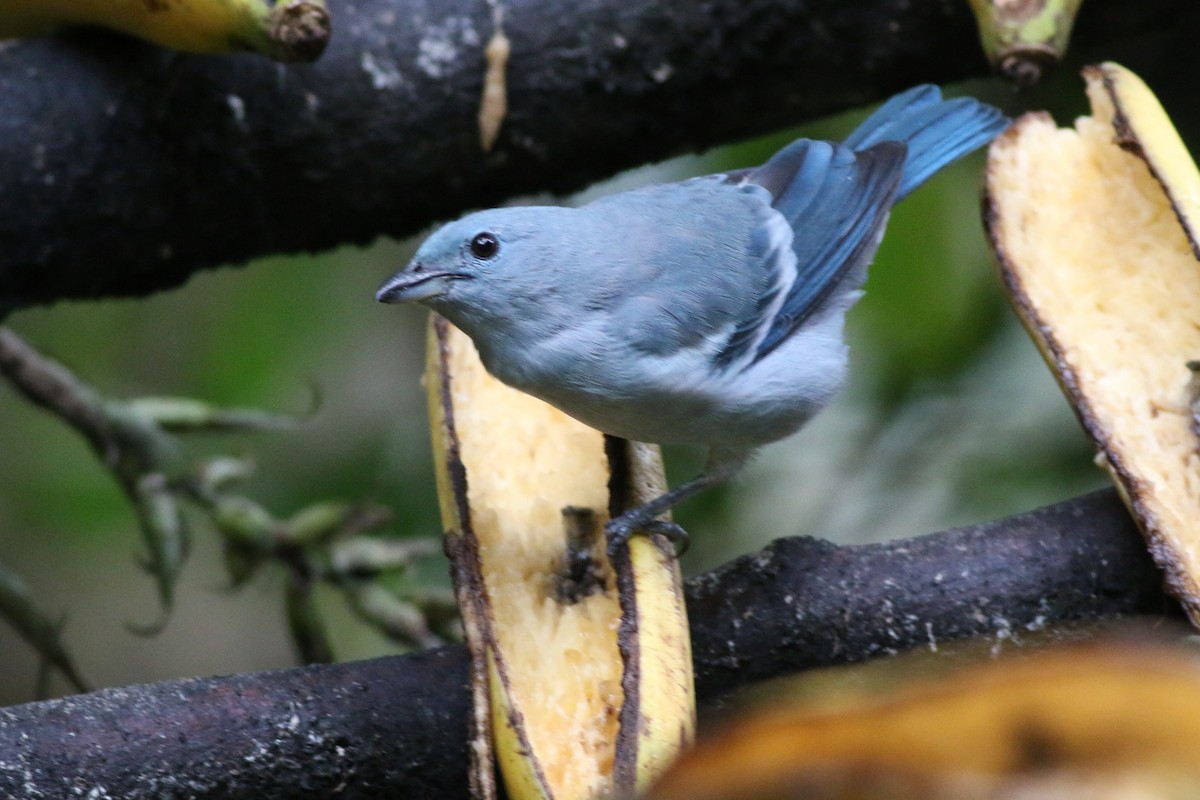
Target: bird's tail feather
<point>936,131</point>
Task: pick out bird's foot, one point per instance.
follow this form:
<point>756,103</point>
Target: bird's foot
<point>620,530</point>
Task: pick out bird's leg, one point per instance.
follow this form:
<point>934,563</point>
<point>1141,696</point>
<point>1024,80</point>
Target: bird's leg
<point>721,465</point>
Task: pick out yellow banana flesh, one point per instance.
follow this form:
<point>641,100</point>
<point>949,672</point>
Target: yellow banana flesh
<point>1094,230</point>
<point>287,30</point>
<point>581,668</point>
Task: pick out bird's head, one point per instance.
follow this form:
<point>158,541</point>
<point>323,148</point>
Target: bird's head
<point>471,260</point>
<point>457,253</point>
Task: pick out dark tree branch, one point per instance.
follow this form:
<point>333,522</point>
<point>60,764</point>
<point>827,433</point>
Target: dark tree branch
<point>128,168</point>
<point>805,603</point>
<point>396,727</point>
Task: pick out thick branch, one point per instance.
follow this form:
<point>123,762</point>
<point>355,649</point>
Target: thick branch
<point>128,168</point>
<point>396,727</point>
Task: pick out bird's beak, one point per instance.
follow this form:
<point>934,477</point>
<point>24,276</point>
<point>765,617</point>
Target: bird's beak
<point>414,283</point>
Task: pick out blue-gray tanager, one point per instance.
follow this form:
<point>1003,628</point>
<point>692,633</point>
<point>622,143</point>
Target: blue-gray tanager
<point>703,312</point>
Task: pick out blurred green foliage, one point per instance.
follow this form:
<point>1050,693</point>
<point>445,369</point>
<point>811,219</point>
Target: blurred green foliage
<point>951,417</point>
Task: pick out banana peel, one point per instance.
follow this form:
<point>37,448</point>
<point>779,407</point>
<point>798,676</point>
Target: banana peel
<point>1095,232</point>
<point>1113,718</point>
<point>581,666</point>
<point>285,30</point>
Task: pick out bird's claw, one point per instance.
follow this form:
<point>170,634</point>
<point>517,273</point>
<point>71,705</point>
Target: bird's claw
<point>620,530</point>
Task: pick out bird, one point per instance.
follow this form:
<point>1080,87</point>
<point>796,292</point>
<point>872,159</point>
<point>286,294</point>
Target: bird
<point>706,312</point>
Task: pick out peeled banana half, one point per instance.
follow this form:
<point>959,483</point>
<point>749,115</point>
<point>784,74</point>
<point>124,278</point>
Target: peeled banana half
<point>1095,231</point>
<point>581,666</point>
<point>285,30</point>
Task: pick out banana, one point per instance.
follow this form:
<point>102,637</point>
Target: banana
<point>1024,40</point>
<point>581,666</point>
<point>1114,718</point>
<point>286,30</point>
<point>1095,230</point>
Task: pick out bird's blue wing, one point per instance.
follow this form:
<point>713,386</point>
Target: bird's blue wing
<point>768,256</point>
<point>836,197</point>
<point>790,230</point>
<point>835,202</point>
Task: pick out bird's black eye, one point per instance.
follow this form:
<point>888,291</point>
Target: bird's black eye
<point>485,245</point>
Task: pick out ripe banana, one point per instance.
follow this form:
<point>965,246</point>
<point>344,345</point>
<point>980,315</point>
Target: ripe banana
<point>1095,230</point>
<point>286,30</point>
<point>1119,718</point>
<point>581,667</point>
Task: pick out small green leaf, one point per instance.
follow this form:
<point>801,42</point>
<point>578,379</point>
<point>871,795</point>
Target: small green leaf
<point>246,522</point>
<point>397,619</point>
<point>20,609</point>
<point>305,623</point>
<point>361,557</point>
<point>165,534</point>
<point>183,414</point>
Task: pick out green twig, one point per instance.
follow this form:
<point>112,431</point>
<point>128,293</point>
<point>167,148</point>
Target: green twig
<point>21,610</point>
<point>322,542</point>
